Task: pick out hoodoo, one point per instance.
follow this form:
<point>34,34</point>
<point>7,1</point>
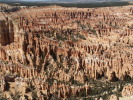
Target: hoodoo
<point>59,53</point>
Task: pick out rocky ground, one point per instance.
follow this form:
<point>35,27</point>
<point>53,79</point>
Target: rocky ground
<point>60,53</point>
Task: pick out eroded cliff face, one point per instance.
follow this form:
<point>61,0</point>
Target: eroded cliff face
<point>53,46</point>
<point>6,32</point>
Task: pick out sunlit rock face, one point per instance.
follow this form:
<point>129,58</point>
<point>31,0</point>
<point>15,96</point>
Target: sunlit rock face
<point>127,91</point>
<point>58,50</point>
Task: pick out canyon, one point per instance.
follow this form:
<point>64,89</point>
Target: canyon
<point>55,52</point>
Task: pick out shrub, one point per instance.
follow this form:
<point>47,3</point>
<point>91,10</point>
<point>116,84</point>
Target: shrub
<point>60,38</point>
<point>81,36</point>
